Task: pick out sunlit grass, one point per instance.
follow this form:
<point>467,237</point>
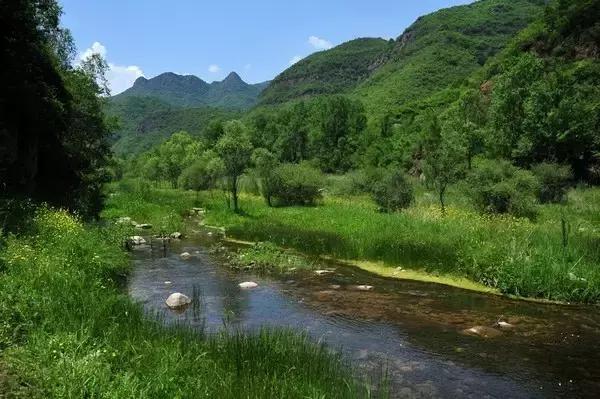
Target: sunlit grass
<point>68,331</point>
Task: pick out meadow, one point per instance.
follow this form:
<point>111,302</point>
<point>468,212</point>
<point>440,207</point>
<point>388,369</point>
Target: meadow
<point>555,257</point>
<point>69,330</point>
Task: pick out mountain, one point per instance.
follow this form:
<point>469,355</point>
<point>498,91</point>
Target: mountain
<point>191,91</point>
<point>327,72</point>
<point>438,51</point>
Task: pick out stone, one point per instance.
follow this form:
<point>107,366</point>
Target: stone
<point>504,325</point>
<point>323,272</point>
<point>176,235</point>
<point>168,283</point>
<point>137,240</point>
<point>365,287</point>
<point>248,285</point>
<point>143,226</point>
<point>335,286</point>
<point>178,300</point>
<point>483,332</point>
<point>185,255</point>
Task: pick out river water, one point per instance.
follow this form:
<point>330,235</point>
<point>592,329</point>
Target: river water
<point>414,330</point>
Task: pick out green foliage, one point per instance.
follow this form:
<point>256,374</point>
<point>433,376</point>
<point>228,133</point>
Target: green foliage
<point>235,150</point>
<point>499,187</point>
<point>332,71</point>
<point>146,122</point>
<point>444,158</point>
<point>554,180</point>
<point>203,173</point>
<point>53,134</point>
<point>293,184</point>
<point>168,160</point>
<point>394,192</point>
<point>265,164</point>
<point>267,257</point>
<point>68,330</point>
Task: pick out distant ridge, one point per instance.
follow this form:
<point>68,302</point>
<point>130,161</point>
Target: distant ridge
<point>191,91</point>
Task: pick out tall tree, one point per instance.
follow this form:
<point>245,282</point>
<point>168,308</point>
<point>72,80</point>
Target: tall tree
<point>235,149</point>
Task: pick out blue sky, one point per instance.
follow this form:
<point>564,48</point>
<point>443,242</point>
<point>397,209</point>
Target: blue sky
<point>258,39</point>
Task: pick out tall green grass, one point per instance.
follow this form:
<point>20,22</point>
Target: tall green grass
<point>68,331</point>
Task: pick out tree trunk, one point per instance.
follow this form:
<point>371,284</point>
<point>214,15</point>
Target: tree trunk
<point>234,194</point>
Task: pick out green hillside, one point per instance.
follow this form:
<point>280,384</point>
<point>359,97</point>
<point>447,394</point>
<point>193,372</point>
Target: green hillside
<point>327,72</point>
<point>147,121</point>
<point>442,49</point>
<point>191,91</point>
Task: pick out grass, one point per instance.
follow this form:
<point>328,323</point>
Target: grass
<point>513,256</point>
<point>68,330</point>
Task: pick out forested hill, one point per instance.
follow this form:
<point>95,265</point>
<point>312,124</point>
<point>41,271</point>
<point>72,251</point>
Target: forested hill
<point>191,91</point>
<point>438,50</point>
<point>329,72</point>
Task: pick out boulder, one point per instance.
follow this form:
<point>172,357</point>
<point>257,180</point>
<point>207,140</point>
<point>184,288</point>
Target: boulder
<point>483,332</point>
<point>185,255</point>
<point>176,235</point>
<point>178,300</point>
<point>248,285</point>
<point>137,240</point>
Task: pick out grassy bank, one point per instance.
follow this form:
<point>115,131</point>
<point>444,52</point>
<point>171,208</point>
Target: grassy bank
<point>67,330</point>
<point>515,256</point>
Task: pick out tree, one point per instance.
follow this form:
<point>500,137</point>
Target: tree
<point>203,173</point>
<point>169,159</point>
<point>265,163</point>
<point>341,122</point>
<point>444,159</point>
<point>235,150</point>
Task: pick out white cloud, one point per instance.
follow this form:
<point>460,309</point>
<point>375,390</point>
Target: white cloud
<point>295,59</point>
<point>214,68</point>
<point>319,44</point>
<point>119,77</point>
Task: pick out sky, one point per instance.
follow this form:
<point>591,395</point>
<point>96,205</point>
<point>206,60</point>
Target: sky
<point>257,39</point>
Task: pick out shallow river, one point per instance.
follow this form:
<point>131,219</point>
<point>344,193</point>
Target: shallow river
<point>414,330</point>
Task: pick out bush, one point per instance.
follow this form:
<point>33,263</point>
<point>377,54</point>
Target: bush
<point>499,187</point>
<point>393,192</point>
<point>554,181</point>
<point>292,184</point>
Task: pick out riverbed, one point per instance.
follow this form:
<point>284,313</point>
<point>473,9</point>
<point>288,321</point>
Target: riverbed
<point>418,334</point>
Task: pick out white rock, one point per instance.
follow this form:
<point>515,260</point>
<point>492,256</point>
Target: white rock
<point>504,325</point>
<point>364,287</point>
<point>178,300</point>
<point>137,240</point>
<point>248,285</point>
<point>176,235</point>
<point>168,283</point>
<point>323,272</point>
<point>185,255</point>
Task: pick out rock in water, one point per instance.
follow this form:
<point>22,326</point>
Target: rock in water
<point>483,332</point>
<point>176,235</point>
<point>178,300</point>
<point>185,255</point>
<point>504,325</point>
<point>137,240</point>
<point>323,272</point>
<point>365,287</point>
<point>248,285</point>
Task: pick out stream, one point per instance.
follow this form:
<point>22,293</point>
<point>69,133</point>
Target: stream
<point>416,331</point>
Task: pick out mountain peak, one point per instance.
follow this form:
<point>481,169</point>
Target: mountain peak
<point>233,79</point>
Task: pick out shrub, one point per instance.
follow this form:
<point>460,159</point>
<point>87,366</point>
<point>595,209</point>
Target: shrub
<point>292,184</point>
<point>499,187</point>
<point>393,192</point>
<point>554,181</point>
